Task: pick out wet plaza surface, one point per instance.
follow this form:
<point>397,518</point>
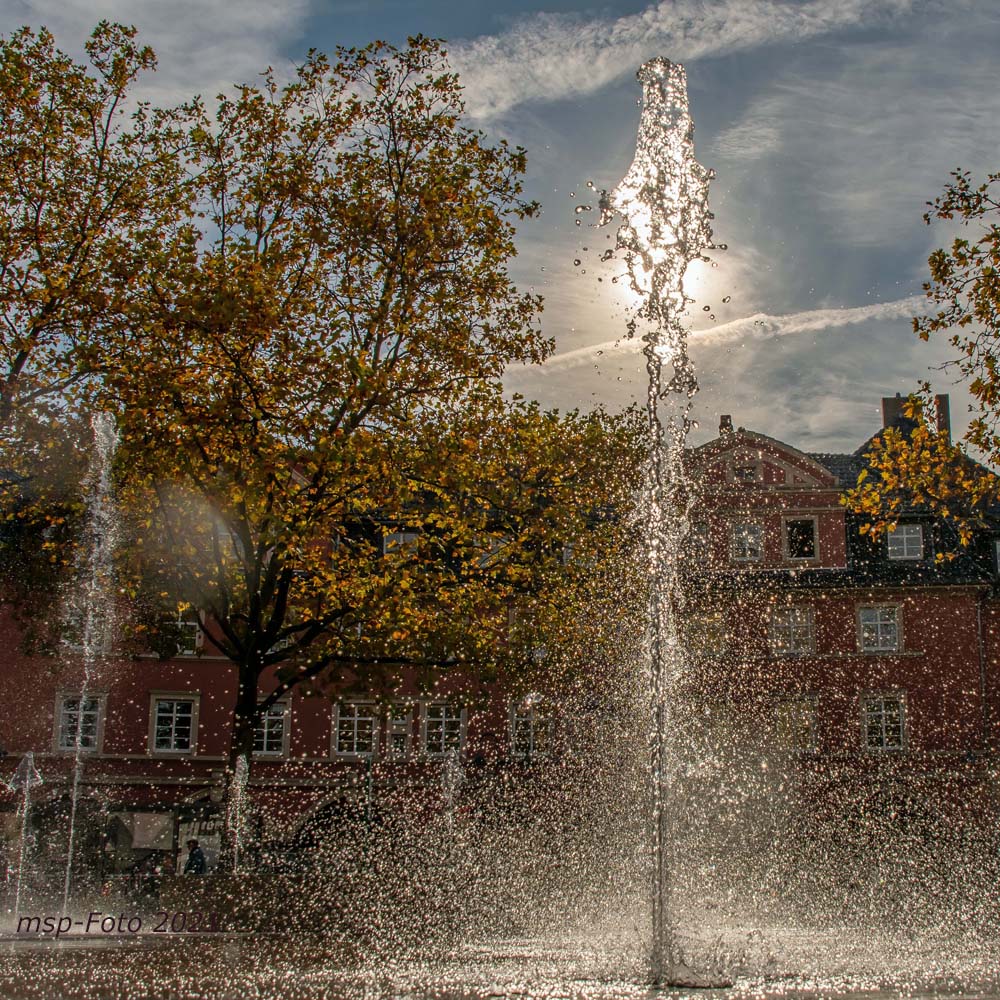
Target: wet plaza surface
<point>233,967</point>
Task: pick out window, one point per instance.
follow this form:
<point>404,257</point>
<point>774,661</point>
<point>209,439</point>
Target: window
<point>747,543</point>
<point>883,722</point>
<point>996,554</point>
<point>705,634</point>
<point>74,722</point>
<point>443,729</point>
<point>906,541</point>
<point>286,642</point>
<point>795,725</point>
<point>269,735</point>
<point>399,542</point>
<point>792,632</point>
<point>746,471</point>
<point>173,725</point>
<point>189,634</point>
<point>399,731</point>
<point>800,538</point>
<point>357,731</point>
<point>529,733</point>
<point>879,630</point>
<point>699,538</point>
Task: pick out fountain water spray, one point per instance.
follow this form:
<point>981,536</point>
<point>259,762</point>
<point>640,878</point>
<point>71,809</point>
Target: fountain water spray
<point>663,200</point>
<point>25,778</point>
<point>91,607</point>
<point>235,807</point>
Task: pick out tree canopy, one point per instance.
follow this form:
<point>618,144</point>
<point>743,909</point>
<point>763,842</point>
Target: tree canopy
<point>921,467</point>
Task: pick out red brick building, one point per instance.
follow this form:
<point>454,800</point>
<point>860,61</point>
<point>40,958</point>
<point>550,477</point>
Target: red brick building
<point>869,665</point>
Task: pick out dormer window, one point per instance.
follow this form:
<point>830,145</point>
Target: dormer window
<point>190,637</point>
<point>906,541</point>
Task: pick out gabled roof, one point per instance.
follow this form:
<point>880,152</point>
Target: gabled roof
<point>781,450</point>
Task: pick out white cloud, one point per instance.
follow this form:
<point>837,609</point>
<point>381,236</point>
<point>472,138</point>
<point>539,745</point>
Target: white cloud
<point>203,46</point>
<point>862,136</point>
<point>554,56</point>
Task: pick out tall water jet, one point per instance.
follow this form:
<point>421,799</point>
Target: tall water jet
<point>663,200</point>
<point>90,609</point>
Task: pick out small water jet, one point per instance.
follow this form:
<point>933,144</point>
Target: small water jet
<point>89,611</point>
<point>25,778</point>
<point>663,200</point>
<point>236,809</point>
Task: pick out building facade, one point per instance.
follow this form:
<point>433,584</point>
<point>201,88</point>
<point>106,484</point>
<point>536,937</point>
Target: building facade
<point>870,667</point>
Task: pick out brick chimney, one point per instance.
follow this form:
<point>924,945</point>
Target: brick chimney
<point>942,414</point>
<point>892,410</point>
<point>725,424</point>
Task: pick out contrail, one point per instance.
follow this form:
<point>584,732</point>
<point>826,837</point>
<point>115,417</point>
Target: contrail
<point>760,326</point>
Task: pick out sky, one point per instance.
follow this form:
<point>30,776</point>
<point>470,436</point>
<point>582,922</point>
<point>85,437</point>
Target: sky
<point>829,125</point>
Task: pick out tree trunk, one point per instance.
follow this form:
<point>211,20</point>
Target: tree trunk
<point>236,778</point>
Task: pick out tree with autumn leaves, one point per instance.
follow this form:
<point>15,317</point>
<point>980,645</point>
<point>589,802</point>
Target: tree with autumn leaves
<point>315,452</point>
<point>919,466</point>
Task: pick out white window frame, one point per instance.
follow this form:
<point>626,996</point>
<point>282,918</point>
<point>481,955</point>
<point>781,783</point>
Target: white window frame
<point>746,528</point>
<point>903,536</point>
<point>193,627</point>
<point>399,722</point>
<point>800,626</point>
<point>873,710</point>
<point>539,732</point>
<point>356,712</point>
<point>155,697</point>
<point>880,617</point>
<point>100,702</point>
<point>786,522</point>
<point>453,713</point>
<point>282,710</point>
<point>785,724</point>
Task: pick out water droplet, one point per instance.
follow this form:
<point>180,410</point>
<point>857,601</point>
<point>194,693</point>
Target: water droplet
<point>576,262</point>
<point>723,246</point>
<point>614,280</point>
<point>607,255</point>
<point>572,194</point>
<point>727,298</point>
<point>583,208</point>
<point>590,184</point>
<point>578,222</point>
<point>711,315</point>
<point>706,309</point>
